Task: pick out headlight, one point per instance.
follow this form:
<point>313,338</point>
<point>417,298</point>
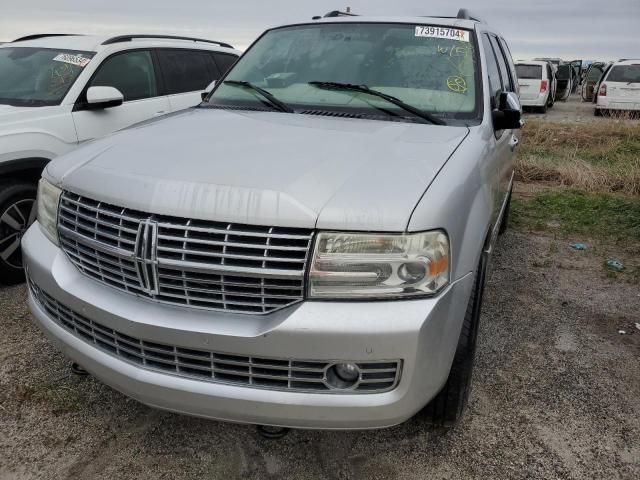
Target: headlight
<point>365,265</point>
<point>48,198</point>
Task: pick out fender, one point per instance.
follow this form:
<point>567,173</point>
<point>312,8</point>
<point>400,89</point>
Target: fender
<point>21,166</point>
<point>459,201</point>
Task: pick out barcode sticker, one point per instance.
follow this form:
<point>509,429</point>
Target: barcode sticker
<point>443,32</point>
<point>77,60</point>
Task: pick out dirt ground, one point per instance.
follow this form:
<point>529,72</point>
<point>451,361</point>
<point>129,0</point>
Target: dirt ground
<point>556,394</point>
<point>574,110</point>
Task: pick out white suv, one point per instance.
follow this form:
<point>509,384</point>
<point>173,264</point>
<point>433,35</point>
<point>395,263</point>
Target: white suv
<point>620,88</point>
<point>58,91</point>
<point>537,81</point>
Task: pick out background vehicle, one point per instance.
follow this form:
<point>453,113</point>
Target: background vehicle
<point>57,91</point>
<point>564,76</point>
<point>538,84</point>
<point>591,80</point>
<point>620,88</point>
<point>325,267</point>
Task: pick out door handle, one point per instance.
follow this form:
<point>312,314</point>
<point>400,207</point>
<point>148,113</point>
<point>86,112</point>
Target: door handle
<point>157,114</point>
<point>514,142</point>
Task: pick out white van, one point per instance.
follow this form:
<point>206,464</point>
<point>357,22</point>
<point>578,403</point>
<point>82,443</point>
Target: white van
<point>620,88</point>
<point>538,84</point>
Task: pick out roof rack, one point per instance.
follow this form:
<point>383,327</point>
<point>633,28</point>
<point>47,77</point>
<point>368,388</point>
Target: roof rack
<point>128,38</point>
<point>44,35</point>
<point>336,13</point>
<point>464,14</point>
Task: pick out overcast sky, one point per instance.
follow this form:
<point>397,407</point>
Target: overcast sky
<point>587,29</point>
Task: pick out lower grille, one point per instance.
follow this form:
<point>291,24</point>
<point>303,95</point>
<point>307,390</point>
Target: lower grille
<point>215,367</point>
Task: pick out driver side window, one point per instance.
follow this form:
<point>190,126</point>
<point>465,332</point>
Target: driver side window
<point>132,73</point>
<point>493,71</point>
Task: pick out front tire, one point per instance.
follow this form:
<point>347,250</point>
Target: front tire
<point>447,408</point>
<point>17,213</point>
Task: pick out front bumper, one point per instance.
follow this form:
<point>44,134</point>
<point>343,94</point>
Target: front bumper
<point>422,333</point>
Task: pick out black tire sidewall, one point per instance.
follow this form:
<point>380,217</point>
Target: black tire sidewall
<point>11,192</point>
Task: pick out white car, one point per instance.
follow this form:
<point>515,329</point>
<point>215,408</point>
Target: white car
<point>620,88</point>
<point>58,91</point>
<point>537,81</point>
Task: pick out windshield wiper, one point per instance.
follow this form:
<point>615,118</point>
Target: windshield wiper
<point>273,101</point>
<point>395,101</point>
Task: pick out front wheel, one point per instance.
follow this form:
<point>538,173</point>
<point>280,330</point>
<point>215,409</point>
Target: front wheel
<point>17,213</point>
<point>447,408</point>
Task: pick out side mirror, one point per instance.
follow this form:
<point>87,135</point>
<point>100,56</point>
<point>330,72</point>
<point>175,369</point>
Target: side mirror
<point>208,90</point>
<point>104,97</point>
<point>508,115</point>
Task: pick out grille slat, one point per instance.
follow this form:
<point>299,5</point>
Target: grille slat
<point>215,367</point>
<point>201,264</point>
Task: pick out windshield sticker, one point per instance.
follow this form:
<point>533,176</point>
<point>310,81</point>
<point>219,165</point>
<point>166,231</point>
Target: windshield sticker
<point>77,60</point>
<point>443,32</point>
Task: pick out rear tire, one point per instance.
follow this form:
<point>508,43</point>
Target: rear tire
<point>542,110</point>
<point>17,213</point>
<point>448,407</point>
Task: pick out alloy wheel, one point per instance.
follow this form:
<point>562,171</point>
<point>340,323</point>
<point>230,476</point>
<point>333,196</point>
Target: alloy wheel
<point>14,222</point>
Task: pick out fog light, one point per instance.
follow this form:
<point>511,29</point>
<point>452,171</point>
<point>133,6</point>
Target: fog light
<point>343,375</point>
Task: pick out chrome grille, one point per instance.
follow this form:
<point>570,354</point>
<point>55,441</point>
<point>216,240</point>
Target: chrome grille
<point>257,372</point>
<point>202,264</point>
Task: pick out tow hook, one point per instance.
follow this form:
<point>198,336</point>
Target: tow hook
<point>78,370</point>
<point>272,433</point>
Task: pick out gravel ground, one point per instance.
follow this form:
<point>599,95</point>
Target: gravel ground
<point>556,394</point>
<point>574,110</point>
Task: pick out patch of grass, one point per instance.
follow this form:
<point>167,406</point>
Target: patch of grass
<point>598,157</point>
<point>615,217</point>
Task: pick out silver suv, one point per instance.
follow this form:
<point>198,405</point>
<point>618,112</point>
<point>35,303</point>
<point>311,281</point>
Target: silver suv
<point>308,248</point>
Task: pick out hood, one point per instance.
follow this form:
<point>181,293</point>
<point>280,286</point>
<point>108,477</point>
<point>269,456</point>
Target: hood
<point>265,168</point>
<point>9,114</point>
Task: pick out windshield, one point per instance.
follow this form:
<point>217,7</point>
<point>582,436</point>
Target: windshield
<point>36,77</point>
<point>411,63</point>
<point>529,71</point>
<point>625,73</point>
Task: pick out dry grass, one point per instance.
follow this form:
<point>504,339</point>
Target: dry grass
<point>598,157</point>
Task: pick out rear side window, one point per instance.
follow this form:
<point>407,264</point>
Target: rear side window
<point>223,61</point>
<point>529,71</point>
<point>625,74</point>
<point>186,70</point>
<point>131,72</point>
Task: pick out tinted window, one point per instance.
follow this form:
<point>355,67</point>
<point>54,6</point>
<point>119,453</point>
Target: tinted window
<point>502,65</point>
<point>507,55</point>
<point>564,72</point>
<point>224,62</point>
<point>625,73</point>
<point>493,72</point>
<point>186,70</point>
<point>132,73</point>
<point>529,71</point>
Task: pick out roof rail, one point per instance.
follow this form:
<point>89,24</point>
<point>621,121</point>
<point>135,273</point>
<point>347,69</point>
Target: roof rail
<point>338,13</point>
<point>43,35</point>
<point>128,38</point>
<point>464,14</point>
